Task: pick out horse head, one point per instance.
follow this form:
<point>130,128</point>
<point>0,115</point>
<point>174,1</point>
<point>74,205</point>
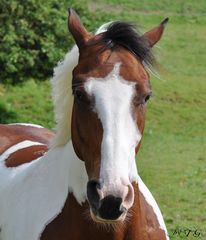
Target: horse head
<point>110,87</point>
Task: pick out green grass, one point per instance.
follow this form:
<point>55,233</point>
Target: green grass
<point>172,158</point>
<point>29,102</point>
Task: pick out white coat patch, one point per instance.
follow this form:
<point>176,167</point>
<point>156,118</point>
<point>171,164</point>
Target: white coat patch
<point>32,194</point>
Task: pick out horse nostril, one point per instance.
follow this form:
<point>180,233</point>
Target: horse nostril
<point>129,198</point>
<point>110,208</point>
<point>92,193</point>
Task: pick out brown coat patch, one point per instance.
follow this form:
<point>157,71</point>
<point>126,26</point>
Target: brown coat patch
<point>25,155</point>
<point>14,134</point>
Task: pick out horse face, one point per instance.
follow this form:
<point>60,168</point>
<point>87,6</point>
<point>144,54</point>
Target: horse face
<point>110,88</point>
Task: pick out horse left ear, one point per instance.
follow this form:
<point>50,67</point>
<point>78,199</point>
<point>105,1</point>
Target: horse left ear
<point>76,28</point>
<point>155,34</point>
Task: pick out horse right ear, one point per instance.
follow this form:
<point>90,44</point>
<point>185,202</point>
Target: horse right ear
<point>76,28</point>
<point>155,34</point>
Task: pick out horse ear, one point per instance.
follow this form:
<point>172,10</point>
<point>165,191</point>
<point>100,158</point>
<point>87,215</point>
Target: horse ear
<point>76,28</point>
<point>155,34</point>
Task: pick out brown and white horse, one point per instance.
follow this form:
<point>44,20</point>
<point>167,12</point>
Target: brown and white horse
<point>86,185</point>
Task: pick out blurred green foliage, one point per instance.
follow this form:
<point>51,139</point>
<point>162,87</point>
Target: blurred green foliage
<point>34,34</point>
<point>33,37</point>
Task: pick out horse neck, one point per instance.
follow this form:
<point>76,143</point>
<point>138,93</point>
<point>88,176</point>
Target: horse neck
<point>76,171</point>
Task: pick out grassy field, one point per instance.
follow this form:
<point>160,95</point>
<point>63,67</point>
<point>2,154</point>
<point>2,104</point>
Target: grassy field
<point>172,157</point>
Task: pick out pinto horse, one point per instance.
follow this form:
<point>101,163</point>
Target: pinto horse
<point>83,183</point>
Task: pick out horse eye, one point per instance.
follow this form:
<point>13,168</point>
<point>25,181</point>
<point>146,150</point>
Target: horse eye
<point>81,96</point>
<point>147,98</point>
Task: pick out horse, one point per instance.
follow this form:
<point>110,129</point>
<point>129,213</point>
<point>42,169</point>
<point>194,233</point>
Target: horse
<point>82,182</point>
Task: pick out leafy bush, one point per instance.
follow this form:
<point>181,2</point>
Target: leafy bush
<point>33,37</point>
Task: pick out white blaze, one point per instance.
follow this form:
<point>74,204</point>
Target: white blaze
<point>113,103</point>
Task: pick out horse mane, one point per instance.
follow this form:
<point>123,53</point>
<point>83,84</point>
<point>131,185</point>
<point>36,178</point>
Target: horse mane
<point>62,97</point>
<point>116,33</point>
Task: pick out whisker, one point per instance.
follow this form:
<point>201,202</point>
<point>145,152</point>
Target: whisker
<point>78,84</point>
<point>106,226</point>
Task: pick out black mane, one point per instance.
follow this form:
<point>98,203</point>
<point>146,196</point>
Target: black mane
<point>124,34</point>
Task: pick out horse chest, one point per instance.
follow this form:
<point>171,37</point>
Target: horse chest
<point>79,225</point>
<point>75,223</point>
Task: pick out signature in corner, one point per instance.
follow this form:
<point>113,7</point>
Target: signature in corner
<point>186,232</point>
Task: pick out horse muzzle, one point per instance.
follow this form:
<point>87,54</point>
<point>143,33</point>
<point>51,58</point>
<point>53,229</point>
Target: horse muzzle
<point>109,205</point>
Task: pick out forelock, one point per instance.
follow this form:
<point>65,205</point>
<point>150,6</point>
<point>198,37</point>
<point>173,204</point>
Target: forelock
<point>124,34</point>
